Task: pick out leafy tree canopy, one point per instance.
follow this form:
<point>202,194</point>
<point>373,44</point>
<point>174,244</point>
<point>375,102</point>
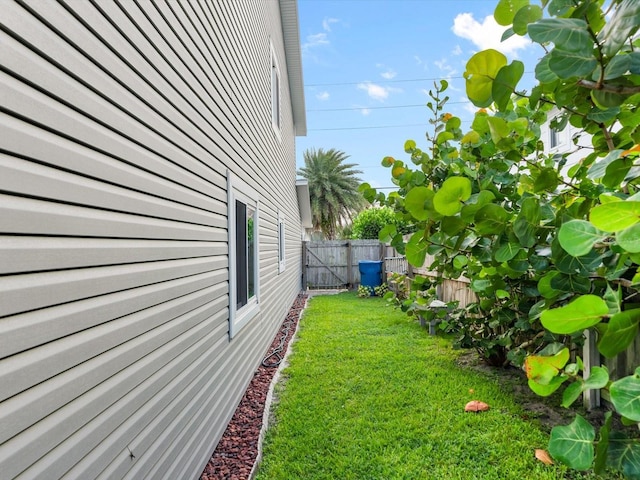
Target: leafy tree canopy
<point>550,251</point>
<point>333,189</point>
<point>368,223</point>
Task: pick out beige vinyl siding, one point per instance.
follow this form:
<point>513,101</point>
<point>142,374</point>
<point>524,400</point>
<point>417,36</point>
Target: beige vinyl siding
<point>118,122</point>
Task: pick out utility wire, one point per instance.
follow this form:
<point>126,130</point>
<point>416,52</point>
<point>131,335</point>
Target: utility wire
<point>373,127</point>
<point>376,108</point>
<point>366,128</point>
<point>408,80</point>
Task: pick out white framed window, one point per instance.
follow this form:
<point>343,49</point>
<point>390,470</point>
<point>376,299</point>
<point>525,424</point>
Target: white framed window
<point>244,288</point>
<point>554,139</point>
<point>275,92</point>
<point>281,245</point>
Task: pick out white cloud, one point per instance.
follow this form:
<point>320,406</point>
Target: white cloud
<point>377,92</point>
<point>326,23</point>
<point>417,59</point>
<point>389,74</point>
<point>457,50</point>
<point>487,34</point>
<point>322,96</point>
<point>315,40</point>
<point>365,111</point>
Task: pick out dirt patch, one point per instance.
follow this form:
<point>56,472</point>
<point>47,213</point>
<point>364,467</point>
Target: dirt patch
<point>546,410</point>
<point>238,449</point>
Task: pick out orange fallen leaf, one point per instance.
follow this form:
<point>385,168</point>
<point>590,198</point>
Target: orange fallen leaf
<point>543,456</point>
<point>634,149</point>
<point>476,406</point>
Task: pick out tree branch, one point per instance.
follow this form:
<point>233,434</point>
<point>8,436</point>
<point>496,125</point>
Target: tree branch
<point>621,89</point>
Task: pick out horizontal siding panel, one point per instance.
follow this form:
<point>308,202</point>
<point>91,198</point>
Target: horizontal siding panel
<point>38,217</point>
<point>110,460</point>
<point>26,292</point>
<point>20,254</point>
<point>155,133</point>
<point>28,407</point>
<point>179,458</point>
<point>62,120</point>
<point>31,179</point>
<point>28,330</point>
<point>173,92</point>
<point>206,402</point>
<point>119,122</point>
<point>76,446</point>
<point>38,364</point>
<point>29,446</point>
<point>30,141</point>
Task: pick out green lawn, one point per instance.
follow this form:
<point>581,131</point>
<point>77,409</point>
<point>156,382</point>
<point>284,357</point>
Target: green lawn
<point>369,394</point>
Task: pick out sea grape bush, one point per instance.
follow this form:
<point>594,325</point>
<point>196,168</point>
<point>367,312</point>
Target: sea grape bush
<point>550,251</point>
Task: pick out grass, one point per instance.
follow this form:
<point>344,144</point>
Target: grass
<point>369,395</point>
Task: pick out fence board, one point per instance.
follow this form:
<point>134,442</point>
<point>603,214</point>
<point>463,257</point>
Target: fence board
<point>334,263</point>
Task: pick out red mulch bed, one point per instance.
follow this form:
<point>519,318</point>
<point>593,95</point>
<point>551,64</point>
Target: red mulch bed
<point>237,451</point>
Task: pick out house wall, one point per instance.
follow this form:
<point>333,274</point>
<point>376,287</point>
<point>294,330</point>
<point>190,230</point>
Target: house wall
<point>575,150</point>
<point>118,123</point>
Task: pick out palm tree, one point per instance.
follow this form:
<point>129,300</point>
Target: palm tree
<point>333,188</point>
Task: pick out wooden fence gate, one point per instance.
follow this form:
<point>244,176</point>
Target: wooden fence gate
<point>334,264</point>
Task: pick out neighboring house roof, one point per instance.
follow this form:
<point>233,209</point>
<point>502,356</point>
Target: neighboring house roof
<point>304,202</point>
<point>291,33</point>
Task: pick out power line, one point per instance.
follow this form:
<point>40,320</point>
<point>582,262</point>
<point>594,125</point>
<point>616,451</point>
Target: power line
<point>366,128</point>
<point>373,127</point>
<point>408,80</point>
<point>376,108</point>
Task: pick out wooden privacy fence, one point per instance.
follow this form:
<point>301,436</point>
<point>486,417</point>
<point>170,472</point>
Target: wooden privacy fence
<point>450,289</point>
<point>334,264</point>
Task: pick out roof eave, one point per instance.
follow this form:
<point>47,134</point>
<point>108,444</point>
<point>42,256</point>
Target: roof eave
<point>293,53</point>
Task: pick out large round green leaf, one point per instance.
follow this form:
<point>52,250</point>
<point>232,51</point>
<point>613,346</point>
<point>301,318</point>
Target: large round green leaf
<point>598,378</point>
<point>629,238</point>
<point>499,129</point>
<point>573,444</point>
<point>475,203</point>
<point>546,390</point>
<point>623,455</point>
<point>506,252</point>
<point>615,216</point>
<point>416,250</point>
<point>621,331</point>
<point>505,83</point>
<point>525,16</point>
<point>577,237</point>
<point>490,219</point>
<point>571,283</point>
<point>622,25</point>
<point>625,396</point>
<point>506,10</point>
<point>418,201</point>
<point>571,393</point>
<point>569,63</point>
<point>481,70</point>
<point>544,368</point>
<point>570,34</point>
<point>544,285</point>
<point>527,222</point>
<point>455,190</point>
<point>584,312</point>
<point>545,179</point>
<point>543,73</point>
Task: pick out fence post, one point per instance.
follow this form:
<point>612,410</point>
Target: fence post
<point>304,266</point>
<point>591,358</point>
<point>349,265</point>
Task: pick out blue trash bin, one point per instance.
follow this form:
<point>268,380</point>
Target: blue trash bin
<point>370,273</point>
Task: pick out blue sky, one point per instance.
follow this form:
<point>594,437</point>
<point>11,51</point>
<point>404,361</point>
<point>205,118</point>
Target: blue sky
<point>367,65</point>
